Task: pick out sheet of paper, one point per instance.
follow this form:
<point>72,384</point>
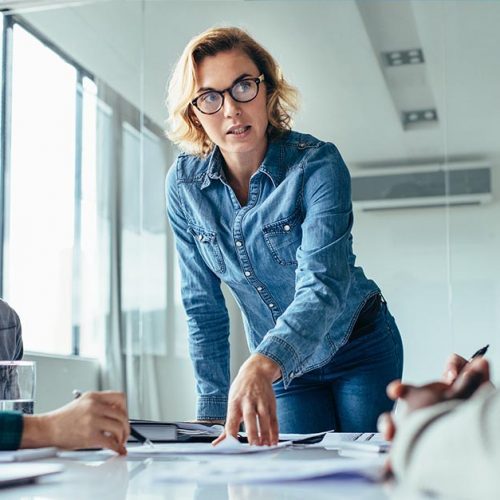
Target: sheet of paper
<point>251,469</point>
<point>299,437</point>
<point>27,454</point>
<point>364,441</point>
<point>230,446</point>
<point>295,437</point>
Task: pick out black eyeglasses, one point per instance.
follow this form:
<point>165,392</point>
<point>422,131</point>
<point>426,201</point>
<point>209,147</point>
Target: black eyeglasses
<point>245,90</point>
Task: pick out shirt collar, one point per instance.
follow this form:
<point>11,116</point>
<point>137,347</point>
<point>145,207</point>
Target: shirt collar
<point>215,170</point>
<point>272,165</point>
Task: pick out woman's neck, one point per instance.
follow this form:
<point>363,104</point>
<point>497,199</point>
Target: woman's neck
<point>239,169</point>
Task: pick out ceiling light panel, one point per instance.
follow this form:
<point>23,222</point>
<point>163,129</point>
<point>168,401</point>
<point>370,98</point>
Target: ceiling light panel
<point>401,57</point>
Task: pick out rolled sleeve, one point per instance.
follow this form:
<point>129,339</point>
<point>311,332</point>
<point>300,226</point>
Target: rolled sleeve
<point>282,353</point>
<point>211,407</point>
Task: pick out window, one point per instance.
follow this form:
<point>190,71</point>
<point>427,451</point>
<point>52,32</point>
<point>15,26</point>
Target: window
<point>84,232</point>
<point>40,200</point>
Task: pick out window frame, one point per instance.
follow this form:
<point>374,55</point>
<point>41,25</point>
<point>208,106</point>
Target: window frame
<point>123,111</point>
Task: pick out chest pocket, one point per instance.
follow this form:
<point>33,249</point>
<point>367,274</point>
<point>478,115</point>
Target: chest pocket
<point>209,248</point>
<point>283,237</point>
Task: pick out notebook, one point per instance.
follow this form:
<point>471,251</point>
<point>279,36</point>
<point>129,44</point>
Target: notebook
<point>165,432</point>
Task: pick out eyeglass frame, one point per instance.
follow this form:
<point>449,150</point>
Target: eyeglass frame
<point>258,80</point>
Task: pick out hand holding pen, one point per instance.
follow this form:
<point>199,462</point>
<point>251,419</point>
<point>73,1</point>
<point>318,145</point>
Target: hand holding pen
<point>133,432</point>
<point>455,364</point>
<point>461,379</point>
<point>93,420</point>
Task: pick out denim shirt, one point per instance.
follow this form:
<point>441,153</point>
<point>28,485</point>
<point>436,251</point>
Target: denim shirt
<point>286,256</point>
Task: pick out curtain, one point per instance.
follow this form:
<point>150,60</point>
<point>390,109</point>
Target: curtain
<point>131,256</point>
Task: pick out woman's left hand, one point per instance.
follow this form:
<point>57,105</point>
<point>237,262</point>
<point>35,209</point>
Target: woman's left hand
<point>252,401</point>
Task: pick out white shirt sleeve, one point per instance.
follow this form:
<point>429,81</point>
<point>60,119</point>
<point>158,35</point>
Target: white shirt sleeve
<point>452,448</point>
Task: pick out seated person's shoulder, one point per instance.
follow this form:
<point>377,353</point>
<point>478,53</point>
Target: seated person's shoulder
<point>11,342</point>
<point>8,317</point>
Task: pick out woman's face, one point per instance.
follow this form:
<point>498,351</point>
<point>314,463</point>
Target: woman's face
<point>238,128</point>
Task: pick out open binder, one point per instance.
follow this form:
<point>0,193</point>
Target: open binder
<point>168,432</point>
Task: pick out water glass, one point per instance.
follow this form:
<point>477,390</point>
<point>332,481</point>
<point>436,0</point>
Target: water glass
<point>17,386</point>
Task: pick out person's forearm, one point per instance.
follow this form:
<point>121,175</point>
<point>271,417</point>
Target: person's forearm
<point>37,431</point>
<point>452,448</point>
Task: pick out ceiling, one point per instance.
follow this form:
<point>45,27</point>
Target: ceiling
<point>330,50</point>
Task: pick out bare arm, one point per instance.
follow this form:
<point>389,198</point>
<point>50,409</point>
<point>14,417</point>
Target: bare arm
<point>96,419</point>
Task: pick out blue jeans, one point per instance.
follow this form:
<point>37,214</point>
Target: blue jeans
<point>348,394</point>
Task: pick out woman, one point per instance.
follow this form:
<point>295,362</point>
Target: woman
<point>268,211</point>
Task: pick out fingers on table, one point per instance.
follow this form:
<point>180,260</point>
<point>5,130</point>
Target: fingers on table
<point>251,425</point>
<point>114,418</point>
<point>261,424</point>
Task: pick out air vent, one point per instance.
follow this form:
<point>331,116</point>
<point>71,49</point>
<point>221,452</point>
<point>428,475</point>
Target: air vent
<point>424,186</point>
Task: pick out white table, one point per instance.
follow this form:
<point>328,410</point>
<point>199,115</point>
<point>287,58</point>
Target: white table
<point>90,475</point>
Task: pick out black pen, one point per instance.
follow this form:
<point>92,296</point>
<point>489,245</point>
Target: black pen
<point>133,432</point>
<point>480,352</point>
<point>140,437</point>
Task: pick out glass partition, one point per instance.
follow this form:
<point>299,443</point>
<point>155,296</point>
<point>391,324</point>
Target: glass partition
<point>408,91</point>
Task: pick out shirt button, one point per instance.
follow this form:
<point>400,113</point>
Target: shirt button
<point>271,305</point>
<point>286,227</point>
<point>247,273</point>
<point>200,237</point>
<point>259,288</point>
<point>239,243</point>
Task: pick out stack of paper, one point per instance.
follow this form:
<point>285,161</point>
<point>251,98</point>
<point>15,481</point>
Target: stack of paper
<point>230,446</point>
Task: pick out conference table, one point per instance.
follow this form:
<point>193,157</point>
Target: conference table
<point>102,475</point>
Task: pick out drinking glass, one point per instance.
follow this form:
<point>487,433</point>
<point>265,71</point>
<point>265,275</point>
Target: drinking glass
<point>17,386</point>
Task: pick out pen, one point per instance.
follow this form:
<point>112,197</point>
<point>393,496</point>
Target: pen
<point>480,352</point>
<point>133,432</point>
<point>140,437</point>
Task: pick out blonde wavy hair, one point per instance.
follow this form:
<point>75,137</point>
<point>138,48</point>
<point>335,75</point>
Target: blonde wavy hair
<point>181,127</point>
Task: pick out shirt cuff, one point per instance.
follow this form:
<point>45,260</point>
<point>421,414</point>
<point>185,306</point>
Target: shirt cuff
<point>282,353</point>
<point>211,408</point>
<point>11,430</point>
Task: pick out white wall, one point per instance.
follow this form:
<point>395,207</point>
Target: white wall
<point>57,376</point>
<point>445,295</point>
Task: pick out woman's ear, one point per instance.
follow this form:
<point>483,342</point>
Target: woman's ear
<point>194,119</point>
